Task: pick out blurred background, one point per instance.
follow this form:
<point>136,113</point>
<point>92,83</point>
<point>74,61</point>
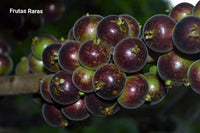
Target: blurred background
<point>179,112</point>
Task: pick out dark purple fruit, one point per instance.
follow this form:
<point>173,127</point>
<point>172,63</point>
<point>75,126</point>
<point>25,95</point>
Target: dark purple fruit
<point>99,107</point>
<point>130,55</point>
<point>35,64</point>
<point>70,34</point>
<point>193,76</point>
<point>181,10</point>
<point>53,116</point>
<point>44,89</point>
<point>134,93</point>
<point>50,57</point>
<point>39,43</point>
<point>157,90</point>
<point>186,35</point>
<point>6,64</point>
<point>112,29</point>
<point>157,33</point>
<point>85,28</point>
<point>172,68</point>
<point>4,48</point>
<point>108,82</point>
<point>68,56</point>
<point>62,89</point>
<point>196,9</point>
<point>22,67</point>
<point>76,111</point>
<point>82,79</point>
<point>134,27</point>
<point>93,54</point>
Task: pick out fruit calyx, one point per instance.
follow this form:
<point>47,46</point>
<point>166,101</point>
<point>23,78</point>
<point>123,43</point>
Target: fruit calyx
<point>35,40</point>
<point>99,85</point>
<point>108,110</point>
<point>149,34</point>
<point>135,49</point>
<point>97,41</point>
<point>54,58</point>
<point>194,32</point>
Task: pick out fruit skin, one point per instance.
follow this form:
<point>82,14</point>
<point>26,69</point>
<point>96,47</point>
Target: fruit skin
<point>186,35</point>
<point>157,33</point>
<point>134,93</point>
<point>108,82</point>
<point>196,9</point>
<point>50,57</point>
<point>4,48</point>
<point>70,35</point>
<point>134,27</point>
<point>157,90</point>
<point>68,56</point>
<point>44,89</point>
<point>112,29</point>
<point>130,55</point>
<point>93,54</point>
<point>82,79</point>
<point>39,43</point>
<point>172,68</point>
<point>76,111</point>
<point>193,76</point>
<point>6,64</point>
<point>35,65</point>
<point>53,116</point>
<point>99,107</point>
<point>181,10</point>
<point>62,90</point>
<point>85,27</point>
<point>22,67</point>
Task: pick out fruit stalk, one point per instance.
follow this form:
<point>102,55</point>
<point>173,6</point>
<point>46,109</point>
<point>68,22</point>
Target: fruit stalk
<point>20,84</point>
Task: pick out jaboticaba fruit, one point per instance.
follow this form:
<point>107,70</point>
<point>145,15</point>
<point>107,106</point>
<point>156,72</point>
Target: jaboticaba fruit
<point>196,9</point>
<point>172,68</point>
<point>130,55</point>
<point>157,33</point>
<point>112,29</point>
<point>35,64</point>
<point>85,28</point>
<point>134,92</point>
<point>93,54</point>
<point>186,35</point>
<point>6,64</point>
<point>108,82</point>
<point>193,75</point>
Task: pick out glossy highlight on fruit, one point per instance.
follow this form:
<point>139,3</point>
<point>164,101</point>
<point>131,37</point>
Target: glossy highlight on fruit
<point>93,54</point>
<point>68,56</point>
<point>99,107</point>
<point>62,89</point>
<point>85,27</point>
<point>130,55</point>
<point>82,79</point>
<point>157,33</point>
<point>112,29</point>
<point>108,82</point>
<point>76,111</point>
<point>186,35</point>
<point>134,93</point>
<point>193,76</point>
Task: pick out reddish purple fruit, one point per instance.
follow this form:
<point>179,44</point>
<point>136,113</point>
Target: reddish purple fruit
<point>186,35</point>
<point>68,56</point>
<point>76,111</point>
<point>6,64</point>
<point>157,90</point>
<point>108,82</point>
<point>172,68</point>
<point>44,89</point>
<point>85,28</point>
<point>62,89</point>
<point>50,57</point>
<point>82,79</point>
<point>53,116</point>
<point>70,34</point>
<point>196,9</point>
<point>157,33</point>
<point>181,10</point>
<point>99,107</point>
<point>93,54</point>
<point>112,29</point>
<point>130,55</point>
<point>134,27</point>
<point>134,93</point>
<point>193,76</point>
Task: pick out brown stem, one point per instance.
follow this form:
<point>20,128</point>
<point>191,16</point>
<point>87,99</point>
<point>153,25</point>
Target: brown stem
<point>23,84</point>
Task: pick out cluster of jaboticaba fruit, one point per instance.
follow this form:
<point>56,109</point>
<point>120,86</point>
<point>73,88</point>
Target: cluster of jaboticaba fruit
<point>100,67</point>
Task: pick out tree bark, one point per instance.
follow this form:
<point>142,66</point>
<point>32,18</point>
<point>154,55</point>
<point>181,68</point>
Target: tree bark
<point>20,84</point>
